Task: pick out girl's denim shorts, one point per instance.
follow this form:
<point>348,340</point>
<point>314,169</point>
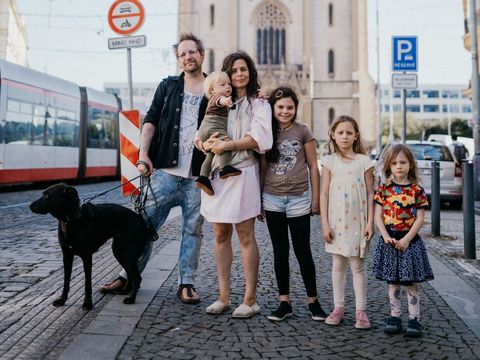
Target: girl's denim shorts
<point>293,206</point>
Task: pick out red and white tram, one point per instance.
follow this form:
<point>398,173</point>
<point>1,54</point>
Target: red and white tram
<point>53,129</point>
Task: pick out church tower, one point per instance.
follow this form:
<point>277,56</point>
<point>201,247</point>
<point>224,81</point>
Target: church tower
<point>317,47</point>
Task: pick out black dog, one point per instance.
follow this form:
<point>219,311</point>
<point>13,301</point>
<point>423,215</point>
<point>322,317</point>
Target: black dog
<point>83,229</point>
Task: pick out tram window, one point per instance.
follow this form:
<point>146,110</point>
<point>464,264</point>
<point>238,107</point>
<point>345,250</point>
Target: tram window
<point>18,128</point>
<point>26,108</point>
<point>66,129</point>
<point>65,133</point>
<point>110,131</point>
<point>95,132</point>
<point>13,105</point>
<point>43,125</point>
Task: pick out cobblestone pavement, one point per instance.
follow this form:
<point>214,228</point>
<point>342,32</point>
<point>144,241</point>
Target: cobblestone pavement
<point>31,277</point>
<point>171,330</point>
<point>449,246</point>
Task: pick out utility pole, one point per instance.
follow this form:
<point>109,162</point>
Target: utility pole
<point>379,93</point>
<point>475,97</point>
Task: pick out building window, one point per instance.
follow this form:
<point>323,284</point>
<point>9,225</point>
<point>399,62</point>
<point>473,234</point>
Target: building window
<point>431,94</point>
<point>397,94</point>
<point>271,25</point>
<point>397,108</point>
<point>212,15</point>
<point>445,108</point>
<point>331,63</point>
<point>211,60</point>
<point>466,108</point>
<point>386,92</point>
<point>431,108</point>
<point>413,94</point>
<point>330,14</point>
<point>331,115</point>
<point>413,108</point>
<point>450,94</point>
<point>454,108</point>
<point>386,108</point>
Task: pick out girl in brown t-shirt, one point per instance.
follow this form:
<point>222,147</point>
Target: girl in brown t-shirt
<point>290,194</point>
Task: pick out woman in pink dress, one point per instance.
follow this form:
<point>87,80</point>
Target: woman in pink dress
<point>237,199</point>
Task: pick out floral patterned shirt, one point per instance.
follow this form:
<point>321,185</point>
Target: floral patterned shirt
<point>400,204</point>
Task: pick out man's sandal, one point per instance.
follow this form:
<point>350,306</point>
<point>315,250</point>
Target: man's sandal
<point>114,287</point>
<point>190,290</point>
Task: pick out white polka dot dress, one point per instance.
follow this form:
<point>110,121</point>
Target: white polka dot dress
<point>347,205</point>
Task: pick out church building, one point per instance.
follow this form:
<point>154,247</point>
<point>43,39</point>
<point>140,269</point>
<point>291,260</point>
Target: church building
<point>317,47</point>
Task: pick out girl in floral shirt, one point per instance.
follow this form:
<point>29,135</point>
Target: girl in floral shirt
<point>400,257</point>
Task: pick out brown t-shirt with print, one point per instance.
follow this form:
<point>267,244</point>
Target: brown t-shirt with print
<point>289,175</point>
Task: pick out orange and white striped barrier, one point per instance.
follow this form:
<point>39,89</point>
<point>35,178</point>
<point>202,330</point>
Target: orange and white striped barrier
<point>129,145</point>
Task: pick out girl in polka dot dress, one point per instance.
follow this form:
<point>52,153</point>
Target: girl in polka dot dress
<point>346,202</point>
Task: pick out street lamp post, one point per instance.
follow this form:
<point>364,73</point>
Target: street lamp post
<point>475,97</point>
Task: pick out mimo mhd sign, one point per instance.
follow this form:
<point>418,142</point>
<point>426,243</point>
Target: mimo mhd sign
<point>404,53</point>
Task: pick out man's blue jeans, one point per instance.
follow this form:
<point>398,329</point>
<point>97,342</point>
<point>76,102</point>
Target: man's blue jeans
<point>170,191</point>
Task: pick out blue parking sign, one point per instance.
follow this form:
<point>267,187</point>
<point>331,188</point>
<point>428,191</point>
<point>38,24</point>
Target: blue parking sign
<point>405,53</point>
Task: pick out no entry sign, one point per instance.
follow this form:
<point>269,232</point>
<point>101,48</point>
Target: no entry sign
<point>126,16</point>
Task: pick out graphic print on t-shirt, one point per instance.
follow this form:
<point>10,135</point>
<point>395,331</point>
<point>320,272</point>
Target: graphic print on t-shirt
<point>288,156</point>
<point>188,123</point>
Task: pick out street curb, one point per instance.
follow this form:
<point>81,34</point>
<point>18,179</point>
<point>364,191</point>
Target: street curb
<point>105,336</point>
<point>460,296</point>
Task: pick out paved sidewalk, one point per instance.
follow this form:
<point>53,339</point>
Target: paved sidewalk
<point>159,326</point>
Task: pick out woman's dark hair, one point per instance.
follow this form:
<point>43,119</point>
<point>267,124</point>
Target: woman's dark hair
<point>277,94</point>
<point>253,85</point>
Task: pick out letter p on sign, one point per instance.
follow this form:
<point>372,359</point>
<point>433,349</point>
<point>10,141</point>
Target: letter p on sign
<point>403,48</point>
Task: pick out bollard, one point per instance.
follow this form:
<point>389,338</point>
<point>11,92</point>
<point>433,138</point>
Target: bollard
<point>435,198</point>
<point>468,211</point>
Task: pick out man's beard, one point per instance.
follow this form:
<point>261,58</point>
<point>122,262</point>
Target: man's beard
<point>189,69</point>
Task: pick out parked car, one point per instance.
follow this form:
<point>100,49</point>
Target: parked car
<point>425,153</point>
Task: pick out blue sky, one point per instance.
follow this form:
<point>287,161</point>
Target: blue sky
<point>72,42</point>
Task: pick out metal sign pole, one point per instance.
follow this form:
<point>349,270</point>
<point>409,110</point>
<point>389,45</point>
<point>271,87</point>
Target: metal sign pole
<point>129,69</point>
<point>475,97</point>
<point>404,116</point>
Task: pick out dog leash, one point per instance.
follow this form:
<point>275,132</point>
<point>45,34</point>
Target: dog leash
<point>87,200</point>
<point>139,201</point>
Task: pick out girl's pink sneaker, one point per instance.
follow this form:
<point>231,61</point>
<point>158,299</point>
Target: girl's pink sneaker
<point>362,320</point>
<point>335,317</point>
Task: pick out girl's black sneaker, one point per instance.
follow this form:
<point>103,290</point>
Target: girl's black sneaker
<point>316,311</point>
<point>393,325</point>
<point>283,311</point>
<point>414,329</point>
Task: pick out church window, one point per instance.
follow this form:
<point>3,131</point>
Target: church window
<point>331,63</point>
<point>271,24</point>
<point>330,14</point>
<point>211,61</point>
<point>331,115</point>
<point>212,15</point>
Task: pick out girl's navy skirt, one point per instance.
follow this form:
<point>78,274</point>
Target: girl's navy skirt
<point>401,267</point>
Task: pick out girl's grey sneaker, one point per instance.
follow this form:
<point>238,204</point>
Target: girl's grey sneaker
<point>393,325</point>
<point>414,329</point>
<point>316,311</point>
<point>283,311</point>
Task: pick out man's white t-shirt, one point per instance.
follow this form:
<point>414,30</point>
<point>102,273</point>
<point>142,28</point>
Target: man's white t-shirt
<point>188,128</point>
